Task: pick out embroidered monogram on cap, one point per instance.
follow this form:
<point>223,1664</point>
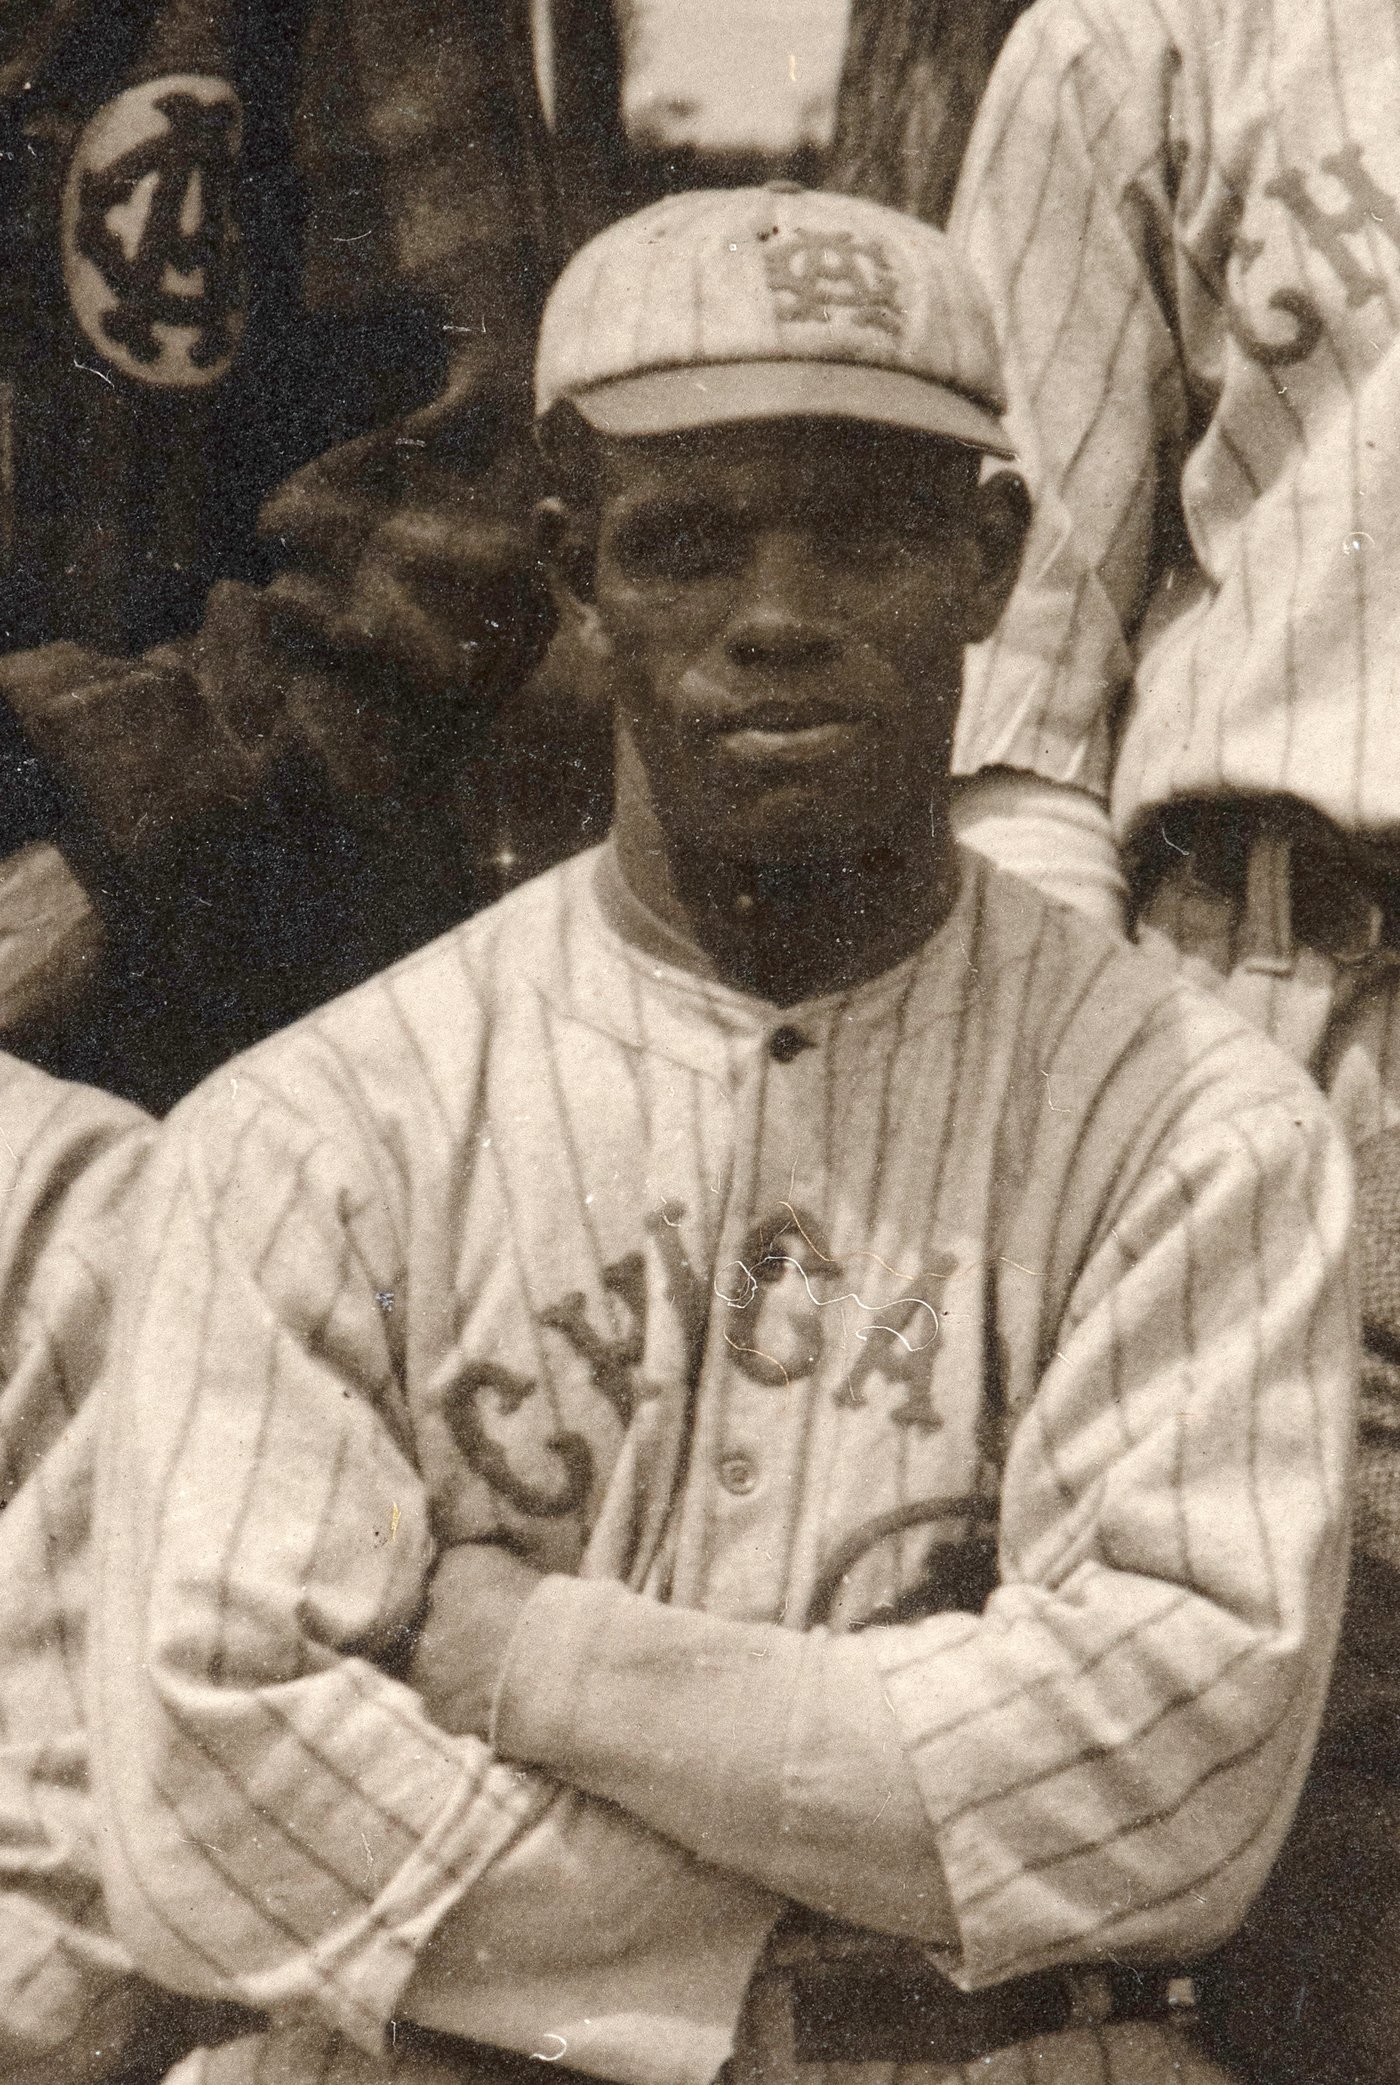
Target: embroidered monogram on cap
<point>813,275</point>
<point>726,280</point>
<point>152,255</point>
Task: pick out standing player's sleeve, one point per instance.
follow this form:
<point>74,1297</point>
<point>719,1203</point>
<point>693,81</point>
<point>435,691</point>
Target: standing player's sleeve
<point>1107,1758</point>
<point>1052,834</point>
<point>283,1824</point>
<point>1061,206</point>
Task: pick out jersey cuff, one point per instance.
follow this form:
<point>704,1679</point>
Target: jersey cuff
<point>1052,834</point>
<point>771,1753</point>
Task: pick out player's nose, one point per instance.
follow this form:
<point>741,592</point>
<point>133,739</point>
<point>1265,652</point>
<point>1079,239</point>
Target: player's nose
<point>782,616</point>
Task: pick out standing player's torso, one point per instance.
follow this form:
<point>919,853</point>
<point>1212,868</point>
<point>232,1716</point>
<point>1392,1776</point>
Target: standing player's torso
<point>1265,664</point>
<point>1188,214</point>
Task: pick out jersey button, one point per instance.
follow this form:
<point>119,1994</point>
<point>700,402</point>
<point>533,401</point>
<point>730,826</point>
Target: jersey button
<point>786,1043</point>
<point>737,1474</point>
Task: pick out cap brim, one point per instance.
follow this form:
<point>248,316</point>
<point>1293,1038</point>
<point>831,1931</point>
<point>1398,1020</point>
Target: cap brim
<point>670,401</point>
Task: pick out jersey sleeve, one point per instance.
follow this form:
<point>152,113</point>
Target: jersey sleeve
<point>593,1937</point>
<point>283,1823</point>
<point>70,1158</point>
<point>1108,1756</point>
<point>1051,834</point>
<point>1063,209</point>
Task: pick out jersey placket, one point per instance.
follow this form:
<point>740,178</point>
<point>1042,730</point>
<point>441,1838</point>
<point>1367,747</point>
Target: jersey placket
<point>761,1368</point>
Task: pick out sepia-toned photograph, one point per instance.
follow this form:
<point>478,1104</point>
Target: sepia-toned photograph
<point>699,1042</point>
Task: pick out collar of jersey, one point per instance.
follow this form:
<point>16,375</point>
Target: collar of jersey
<point>656,949</point>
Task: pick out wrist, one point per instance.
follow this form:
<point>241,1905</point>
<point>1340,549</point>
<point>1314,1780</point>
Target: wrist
<point>522,1628</point>
<point>545,1672</point>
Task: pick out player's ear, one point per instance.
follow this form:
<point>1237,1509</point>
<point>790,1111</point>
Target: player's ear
<point>1001,516</point>
<point>566,545</point>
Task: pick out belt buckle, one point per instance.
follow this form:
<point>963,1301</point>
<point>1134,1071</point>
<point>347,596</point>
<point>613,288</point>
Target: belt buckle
<point>1183,1999</point>
<point>1354,953</point>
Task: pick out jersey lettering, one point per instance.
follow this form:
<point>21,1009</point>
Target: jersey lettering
<point>685,1291</point>
<point>546,1478</point>
<point>1330,230</point>
<point>777,1333</point>
<point>897,1346</point>
<point>788,1311</point>
<point>799,1306</point>
<point>506,1437</point>
<point>612,1361</point>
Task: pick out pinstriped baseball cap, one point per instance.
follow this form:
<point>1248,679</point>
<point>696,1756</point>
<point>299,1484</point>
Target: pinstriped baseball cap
<point>760,303</point>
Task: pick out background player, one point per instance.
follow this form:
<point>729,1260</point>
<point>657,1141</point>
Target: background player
<point>466,1279</point>
<point>1188,216</point>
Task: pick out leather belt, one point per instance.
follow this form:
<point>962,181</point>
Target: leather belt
<point>1344,888</point>
<point>877,2011</point>
<point>887,2020</point>
<point>887,2002</point>
<point>478,2063</point>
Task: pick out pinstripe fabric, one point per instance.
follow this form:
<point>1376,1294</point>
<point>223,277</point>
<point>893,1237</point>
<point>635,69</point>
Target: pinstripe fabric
<point>1187,213</point>
<point>69,1159</point>
<point>474,1249</point>
<point>754,275</point>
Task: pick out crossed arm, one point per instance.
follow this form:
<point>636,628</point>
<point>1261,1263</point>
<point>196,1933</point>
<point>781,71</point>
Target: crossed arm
<point>1047,1780</point>
<point>285,1822</point>
<point>289,1824</point>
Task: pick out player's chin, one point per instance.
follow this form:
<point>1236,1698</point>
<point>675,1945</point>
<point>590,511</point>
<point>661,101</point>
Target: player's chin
<point>794,824</point>
<point>818,809</point>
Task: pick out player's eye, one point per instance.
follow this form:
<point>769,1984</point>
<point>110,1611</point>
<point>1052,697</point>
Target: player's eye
<point>677,543</point>
<point>859,534</point>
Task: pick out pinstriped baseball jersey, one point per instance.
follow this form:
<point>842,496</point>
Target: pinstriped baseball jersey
<point>544,1232</point>
<point>69,1161</point>
<point>1187,213</point>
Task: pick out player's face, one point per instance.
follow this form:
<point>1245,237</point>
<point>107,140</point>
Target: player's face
<point>785,607</point>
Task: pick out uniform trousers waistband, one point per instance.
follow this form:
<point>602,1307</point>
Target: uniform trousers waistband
<point>854,2013</point>
<point>1300,877</point>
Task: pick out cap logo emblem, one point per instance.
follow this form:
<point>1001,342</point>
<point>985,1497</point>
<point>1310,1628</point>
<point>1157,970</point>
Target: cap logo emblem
<point>814,275</point>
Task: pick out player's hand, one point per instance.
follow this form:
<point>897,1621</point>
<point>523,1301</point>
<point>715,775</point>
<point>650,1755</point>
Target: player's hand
<point>475,1598</point>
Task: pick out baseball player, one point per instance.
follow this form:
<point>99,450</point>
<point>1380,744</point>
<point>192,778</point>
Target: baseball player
<point>71,2008</point>
<point>547,1354</point>
<point>1188,216</point>
<point>242,241</point>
